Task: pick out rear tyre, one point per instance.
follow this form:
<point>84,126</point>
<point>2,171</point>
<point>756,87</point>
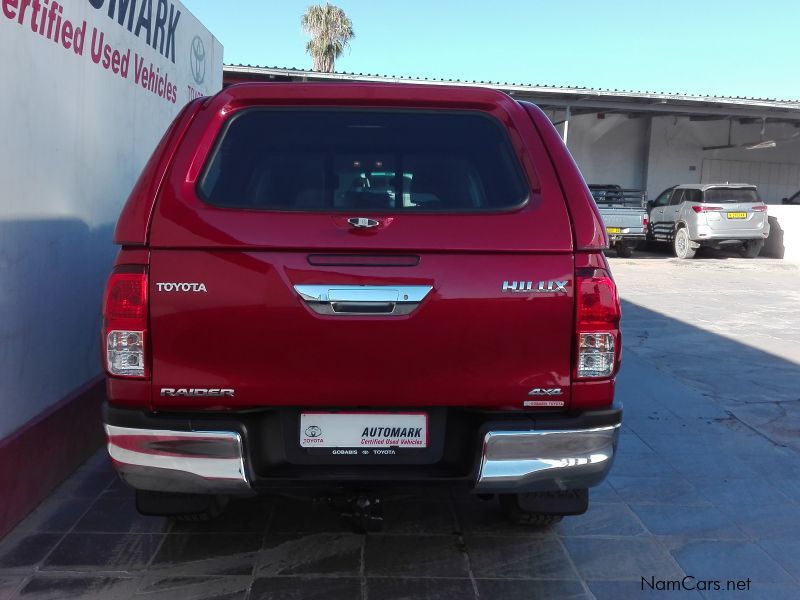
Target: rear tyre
<point>624,250</point>
<point>519,516</point>
<point>681,244</point>
<point>751,248</point>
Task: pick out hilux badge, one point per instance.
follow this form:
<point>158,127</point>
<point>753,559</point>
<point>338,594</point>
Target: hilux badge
<point>541,287</point>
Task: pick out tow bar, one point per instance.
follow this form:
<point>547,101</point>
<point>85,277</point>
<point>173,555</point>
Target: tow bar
<point>362,512</point>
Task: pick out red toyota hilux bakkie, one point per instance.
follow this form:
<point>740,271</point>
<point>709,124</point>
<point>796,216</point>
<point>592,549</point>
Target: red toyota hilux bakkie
<point>359,287</point>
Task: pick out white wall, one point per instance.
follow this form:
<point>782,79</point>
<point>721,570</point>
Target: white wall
<point>610,150</point>
<point>677,155</point>
<point>75,137</point>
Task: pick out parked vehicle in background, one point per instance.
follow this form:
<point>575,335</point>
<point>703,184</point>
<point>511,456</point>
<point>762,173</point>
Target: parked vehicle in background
<point>793,200</point>
<point>713,215</point>
<point>624,214</point>
<point>351,287</point>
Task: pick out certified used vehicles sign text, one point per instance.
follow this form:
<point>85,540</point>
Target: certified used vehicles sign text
<point>363,430</point>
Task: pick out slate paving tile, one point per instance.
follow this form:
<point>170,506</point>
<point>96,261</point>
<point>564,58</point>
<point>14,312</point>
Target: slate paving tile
<point>766,522</point>
<point>765,591</point>
<point>240,516</point>
<point>50,587</point>
<point>633,590</point>
<point>207,553</point>
<point>621,559</point>
<point>603,493</point>
<point>631,442</point>
<point>85,483</point>
<point>414,556</point>
<point>723,560</point>
<point>741,492</point>
<point>390,588</point>
<point>709,466</point>
<point>786,553</point>
<point>642,465</point>
<point>518,557</point>
<point>306,588</point>
<point>22,550</point>
<point>119,515</point>
<point>704,522</point>
<point>510,589</point>
<point>484,517</point>
<point>118,489</point>
<point>690,443</point>
<point>790,486</point>
<point>56,515</point>
<point>415,517</point>
<point>320,554</point>
<point>602,519</point>
<point>305,516</point>
<point>103,551</point>
<point>9,586</point>
<point>196,587</point>
<point>657,490</point>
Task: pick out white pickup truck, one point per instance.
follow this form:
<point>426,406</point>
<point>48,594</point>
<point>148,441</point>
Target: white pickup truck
<point>624,215</point>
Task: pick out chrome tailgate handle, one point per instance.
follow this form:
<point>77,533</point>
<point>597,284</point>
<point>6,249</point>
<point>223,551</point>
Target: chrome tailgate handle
<point>363,299</point>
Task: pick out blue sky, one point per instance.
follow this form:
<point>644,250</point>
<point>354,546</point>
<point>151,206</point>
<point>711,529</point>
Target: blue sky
<point>738,47</point>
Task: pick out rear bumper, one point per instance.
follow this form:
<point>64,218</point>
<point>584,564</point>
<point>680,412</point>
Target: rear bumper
<point>509,454</point>
<point>514,461</point>
<point>705,233</point>
<point>615,238</point>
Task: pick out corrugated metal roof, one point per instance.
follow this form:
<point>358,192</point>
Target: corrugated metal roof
<point>579,92</point>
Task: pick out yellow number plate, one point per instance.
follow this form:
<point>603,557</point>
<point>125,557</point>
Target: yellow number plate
<point>737,215</point>
<point>613,230</point>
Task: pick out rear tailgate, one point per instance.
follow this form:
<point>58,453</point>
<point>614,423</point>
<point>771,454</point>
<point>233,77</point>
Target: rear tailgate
<point>419,296</point>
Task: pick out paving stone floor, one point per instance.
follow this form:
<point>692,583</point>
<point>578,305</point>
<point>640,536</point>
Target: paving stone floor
<point>696,490</point>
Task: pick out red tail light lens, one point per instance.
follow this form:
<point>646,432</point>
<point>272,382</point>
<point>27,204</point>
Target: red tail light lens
<point>703,209</point>
<point>645,222</point>
<point>759,208</point>
<point>597,317</point>
<point>125,322</point>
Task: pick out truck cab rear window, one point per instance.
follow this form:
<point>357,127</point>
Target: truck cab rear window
<point>330,160</point>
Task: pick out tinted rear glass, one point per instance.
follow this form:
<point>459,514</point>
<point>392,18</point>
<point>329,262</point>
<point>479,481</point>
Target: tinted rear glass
<point>321,160</point>
<point>719,195</point>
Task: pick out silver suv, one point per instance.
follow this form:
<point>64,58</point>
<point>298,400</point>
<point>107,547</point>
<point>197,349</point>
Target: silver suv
<point>692,216</point>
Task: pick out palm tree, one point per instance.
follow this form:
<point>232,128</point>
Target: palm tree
<point>331,31</point>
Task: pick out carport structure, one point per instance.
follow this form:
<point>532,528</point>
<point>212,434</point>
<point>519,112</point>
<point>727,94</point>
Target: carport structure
<point>643,140</point>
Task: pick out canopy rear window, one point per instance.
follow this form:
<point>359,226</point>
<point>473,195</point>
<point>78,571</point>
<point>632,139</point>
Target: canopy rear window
<point>331,160</point>
<point>720,195</point>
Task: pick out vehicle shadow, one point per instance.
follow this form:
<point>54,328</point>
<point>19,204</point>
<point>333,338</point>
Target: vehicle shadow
<point>727,374</point>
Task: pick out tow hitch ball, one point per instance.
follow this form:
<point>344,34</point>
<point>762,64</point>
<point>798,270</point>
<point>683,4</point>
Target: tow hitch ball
<point>364,513</point>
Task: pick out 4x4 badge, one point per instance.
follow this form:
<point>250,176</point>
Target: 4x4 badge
<point>363,222</point>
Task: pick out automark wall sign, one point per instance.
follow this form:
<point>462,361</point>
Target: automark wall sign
<point>139,42</point>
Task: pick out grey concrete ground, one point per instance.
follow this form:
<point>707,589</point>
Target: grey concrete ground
<point>707,484</point>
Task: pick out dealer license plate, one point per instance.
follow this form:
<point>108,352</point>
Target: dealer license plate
<point>737,215</point>
<point>363,430</point>
<point>613,229</point>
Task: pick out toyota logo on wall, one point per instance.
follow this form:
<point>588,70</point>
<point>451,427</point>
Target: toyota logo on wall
<point>197,60</point>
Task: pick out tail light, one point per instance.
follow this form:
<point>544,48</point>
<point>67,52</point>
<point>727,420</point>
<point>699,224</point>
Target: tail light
<point>597,318</point>
<point>704,209</point>
<point>759,208</point>
<point>125,322</point>
<point>645,222</point>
